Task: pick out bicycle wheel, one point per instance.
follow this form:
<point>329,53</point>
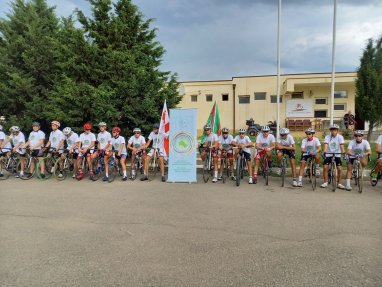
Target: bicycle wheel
<point>373,182</point>
<point>283,172</point>
<point>153,168</point>
<point>98,170</point>
<point>333,176</point>
<point>134,169</point>
<point>28,174</point>
<point>49,167</point>
<point>61,172</point>
<point>265,170</point>
<point>312,175</point>
<point>113,170</point>
<point>359,177</point>
<point>206,169</point>
<point>3,168</point>
<point>225,169</point>
<point>238,170</point>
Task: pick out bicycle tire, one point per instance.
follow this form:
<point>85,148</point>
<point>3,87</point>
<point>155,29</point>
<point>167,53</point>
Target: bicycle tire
<point>49,167</point>
<point>98,170</point>
<point>283,171</point>
<point>333,176</point>
<point>113,170</point>
<point>372,182</point>
<point>27,174</point>
<point>6,172</point>
<point>57,170</point>
<point>225,168</point>
<point>206,169</point>
<point>153,168</point>
<point>265,170</point>
<point>359,177</point>
<point>312,175</point>
<point>238,170</point>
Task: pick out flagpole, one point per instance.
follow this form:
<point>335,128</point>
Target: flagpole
<point>278,70</point>
<point>333,63</point>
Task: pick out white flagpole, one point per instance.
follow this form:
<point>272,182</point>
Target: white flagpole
<point>278,70</point>
<point>333,63</point>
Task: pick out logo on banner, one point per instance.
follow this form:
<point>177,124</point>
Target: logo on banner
<point>183,143</point>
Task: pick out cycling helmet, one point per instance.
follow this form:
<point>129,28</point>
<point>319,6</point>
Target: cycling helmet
<point>56,123</point>
<point>334,127</point>
<point>67,131</point>
<point>358,132</point>
<point>14,129</point>
<point>137,130</point>
<point>310,130</point>
<point>156,126</point>
<point>102,124</point>
<point>207,127</point>
<point>116,129</point>
<point>35,124</point>
<point>225,130</point>
<point>1,127</point>
<point>242,130</point>
<point>284,131</point>
<point>87,126</point>
<point>265,129</point>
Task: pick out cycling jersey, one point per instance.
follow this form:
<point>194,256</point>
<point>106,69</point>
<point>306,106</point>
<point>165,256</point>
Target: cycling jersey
<point>225,142</point>
<point>35,137</point>
<point>211,139</point>
<point>334,144</point>
<point>55,137</point>
<point>265,142</point>
<point>246,140</point>
<point>103,139</point>
<point>310,145</point>
<point>70,141</point>
<point>379,141</point>
<point>87,139</point>
<point>15,139</point>
<point>288,141</point>
<point>117,142</point>
<point>358,148</point>
<point>158,139</point>
<point>137,142</point>
<point>6,143</point>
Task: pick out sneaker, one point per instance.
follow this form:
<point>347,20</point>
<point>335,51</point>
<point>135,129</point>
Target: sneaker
<point>73,176</point>
<point>348,188</point>
<point>144,178</point>
<point>318,172</point>
<point>105,178</point>
<point>295,183</point>
<point>278,171</point>
<point>325,184</point>
<point>124,178</point>
<point>163,178</point>
<point>374,176</point>
<point>215,179</point>
<point>21,175</point>
<point>80,176</point>
<point>60,175</point>
<point>340,186</point>
<point>299,184</point>
<point>1,175</point>
<point>91,174</point>
<point>250,181</point>
<point>132,177</point>
<point>233,177</point>
<point>220,177</point>
<point>254,180</point>
<point>42,175</point>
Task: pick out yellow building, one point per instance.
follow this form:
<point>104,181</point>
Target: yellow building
<point>303,97</point>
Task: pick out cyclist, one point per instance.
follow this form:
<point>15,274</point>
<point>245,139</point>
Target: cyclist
<point>119,145</point>
<point>36,143</point>
<point>378,168</point>
<point>211,140</point>
<point>244,142</point>
<point>72,141</point>
<point>56,138</point>
<point>309,146</point>
<point>137,144</point>
<point>334,143</point>
<point>358,147</point>
<point>85,149</point>
<point>225,142</point>
<point>18,140</point>
<point>286,145</point>
<point>5,145</point>
<point>265,143</point>
<point>158,144</point>
<point>103,147</point>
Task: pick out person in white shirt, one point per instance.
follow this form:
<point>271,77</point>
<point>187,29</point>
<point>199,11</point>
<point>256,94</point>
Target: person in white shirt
<point>5,147</point>
<point>265,143</point>
<point>225,146</point>
<point>286,145</point>
<point>378,168</point>
<point>85,149</point>
<point>17,139</point>
<point>119,146</point>
<point>157,139</point>
<point>309,146</point>
<point>56,138</point>
<point>103,147</point>
<point>137,144</point>
<point>360,148</point>
<point>244,142</point>
<point>333,144</point>
<point>211,141</point>
<point>72,141</point>
<point>36,143</point>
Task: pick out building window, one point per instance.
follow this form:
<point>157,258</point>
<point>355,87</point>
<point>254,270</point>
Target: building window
<point>340,94</point>
<point>321,101</point>
<point>320,113</point>
<point>339,107</point>
<point>260,96</point>
<point>208,98</point>
<point>298,95</point>
<point>244,99</point>
<point>194,98</point>
<point>224,97</point>
<point>274,99</point>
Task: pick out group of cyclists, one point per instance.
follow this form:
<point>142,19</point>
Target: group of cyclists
<point>84,146</point>
<point>88,146</point>
<point>334,146</point>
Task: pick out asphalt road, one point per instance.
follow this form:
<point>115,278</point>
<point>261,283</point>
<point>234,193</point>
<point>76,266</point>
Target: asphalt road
<point>160,234</point>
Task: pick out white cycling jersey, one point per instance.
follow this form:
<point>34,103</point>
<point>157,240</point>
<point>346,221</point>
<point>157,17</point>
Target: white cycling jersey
<point>103,139</point>
<point>70,141</point>
<point>20,138</point>
<point>55,137</point>
<point>358,148</point>
<point>311,145</point>
<point>288,141</point>
<point>265,141</point>
<point>245,140</point>
<point>117,142</point>
<point>35,137</point>
<point>334,144</point>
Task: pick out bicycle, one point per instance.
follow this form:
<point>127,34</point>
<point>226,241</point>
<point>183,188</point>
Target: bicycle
<point>225,163</point>
<point>208,165</point>
<point>284,164</point>
<point>50,160</point>
<point>66,167</point>
<point>28,174</point>
<point>264,167</point>
<point>374,181</point>
<point>8,164</point>
<point>154,166</point>
<point>240,166</point>
<point>311,171</point>
<point>357,173</point>
<point>137,165</point>
<point>332,173</point>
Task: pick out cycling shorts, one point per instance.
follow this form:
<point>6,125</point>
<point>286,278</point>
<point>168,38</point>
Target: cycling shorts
<point>291,154</point>
<point>328,160</point>
<point>37,153</point>
<point>229,153</point>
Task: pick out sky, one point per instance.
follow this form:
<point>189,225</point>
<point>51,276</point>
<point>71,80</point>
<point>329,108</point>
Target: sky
<point>221,39</point>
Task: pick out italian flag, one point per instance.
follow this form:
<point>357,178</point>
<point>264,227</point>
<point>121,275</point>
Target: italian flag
<point>214,122</point>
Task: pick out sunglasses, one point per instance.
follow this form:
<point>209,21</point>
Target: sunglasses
<point>308,134</point>
<point>265,132</point>
<point>225,133</point>
<point>137,133</point>
<point>241,133</point>
<point>358,136</point>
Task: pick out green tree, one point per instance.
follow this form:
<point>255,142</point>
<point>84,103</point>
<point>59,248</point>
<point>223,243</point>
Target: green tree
<point>369,85</point>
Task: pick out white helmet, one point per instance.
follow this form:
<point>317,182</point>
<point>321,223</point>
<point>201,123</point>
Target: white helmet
<point>102,124</point>
<point>67,131</point>
<point>310,130</point>
<point>137,130</point>
<point>334,127</point>
<point>284,131</point>
<point>57,123</point>
<point>265,129</point>
<point>14,129</point>
<point>242,130</point>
